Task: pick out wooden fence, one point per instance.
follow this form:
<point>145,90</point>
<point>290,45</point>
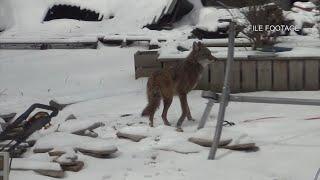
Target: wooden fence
<point>49,43</point>
<point>248,74</point>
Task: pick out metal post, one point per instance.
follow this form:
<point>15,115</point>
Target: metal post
<point>206,114</point>
<point>225,93</point>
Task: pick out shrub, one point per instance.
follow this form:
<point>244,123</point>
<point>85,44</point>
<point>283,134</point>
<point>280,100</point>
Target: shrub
<point>262,13</point>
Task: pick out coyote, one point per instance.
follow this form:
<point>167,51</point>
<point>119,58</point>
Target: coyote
<point>177,80</point>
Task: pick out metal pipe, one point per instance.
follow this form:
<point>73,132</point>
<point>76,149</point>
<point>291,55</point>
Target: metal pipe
<point>225,93</point>
<point>266,100</point>
<point>273,100</point>
<point>206,114</point>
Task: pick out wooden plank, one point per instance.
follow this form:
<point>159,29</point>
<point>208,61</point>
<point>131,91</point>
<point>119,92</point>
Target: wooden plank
<point>248,69</point>
<point>44,45</point>
<point>280,75</point>
<point>169,64</point>
<point>235,77</point>
<point>145,72</point>
<point>203,83</point>
<point>296,75</point>
<point>217,75</point>
<point>311,75</point>
<point>264,75</point>
<point>1,163</point>
<point>146,59</point>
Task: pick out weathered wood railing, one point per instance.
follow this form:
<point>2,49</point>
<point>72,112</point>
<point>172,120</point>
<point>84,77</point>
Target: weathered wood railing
<point>248,74</point>
<point>49,43</point>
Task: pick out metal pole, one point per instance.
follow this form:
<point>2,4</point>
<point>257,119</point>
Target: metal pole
<point>260,99</point>
<point>225,93</point>
<point>206,114</point>
<point>273,100</point>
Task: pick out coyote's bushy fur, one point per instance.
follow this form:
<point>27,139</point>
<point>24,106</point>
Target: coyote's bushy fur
<point>177,80</point>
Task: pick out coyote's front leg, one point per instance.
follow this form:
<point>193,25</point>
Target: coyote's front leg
<point>188,112</point>
<point>184,108</point>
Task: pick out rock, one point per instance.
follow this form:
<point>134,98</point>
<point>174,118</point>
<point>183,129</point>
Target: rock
<point>71,143</point>
<point>89,134</point>
<point>208,143</point>
<point>74,167</point>
<point>88,131</point>
<point>44,150</point>
<point>97,153</point>
<point>71,117</point>
<point>133,137</point>
<point>45,168</point>
<point>66,159</point>
<point>56,153</point>
<point>249,147</point>
<point>50,173</point>
<point>69,162</point>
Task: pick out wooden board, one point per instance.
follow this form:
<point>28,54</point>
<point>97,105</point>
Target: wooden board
<point>235,85</point>
<point>146,59</point>
<point>248,75</point>
<point>1,163</point>
<point>295,75</point>
<point>145,72</point>
<point>203,84</point>
<point>280,75</point>
<point>250,147</point>
<point>133,137</point>
<point>217,75</point>
<point>311,75</point>
<point>264,75</point>
<point>169,64</point>
<point>36,45</point>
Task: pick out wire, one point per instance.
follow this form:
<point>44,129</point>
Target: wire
<point>10,164</point>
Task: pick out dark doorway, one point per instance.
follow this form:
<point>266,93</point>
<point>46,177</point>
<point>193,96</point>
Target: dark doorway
<point>72,12</point>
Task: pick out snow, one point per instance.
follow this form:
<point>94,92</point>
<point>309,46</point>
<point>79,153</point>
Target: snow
<point>26,164</point>
<point>129,16</point>
<point>64,140</point>
<point>174,141</point>
<point>67,158</point>
<point>237,137</point>
<point>300,17</point>
<point>75,125</point>
<point>305,5</point>
<point>209,16</point>
<point>138,130</point>
<point>101,84</point>
<point>104,81</point>
<point>50,40</point>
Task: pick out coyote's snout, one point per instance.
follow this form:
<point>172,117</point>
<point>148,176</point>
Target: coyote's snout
<point>177,80</point>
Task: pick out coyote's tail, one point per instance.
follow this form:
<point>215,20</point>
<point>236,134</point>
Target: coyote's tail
<point>154,98</point>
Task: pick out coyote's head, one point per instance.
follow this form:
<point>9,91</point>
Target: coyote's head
<point>201,54</point>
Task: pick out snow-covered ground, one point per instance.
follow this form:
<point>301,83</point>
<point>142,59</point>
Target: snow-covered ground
<point>103,87</point>
<point>102,82</point>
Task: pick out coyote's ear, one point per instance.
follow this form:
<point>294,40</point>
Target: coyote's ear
<point>196,46</point>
